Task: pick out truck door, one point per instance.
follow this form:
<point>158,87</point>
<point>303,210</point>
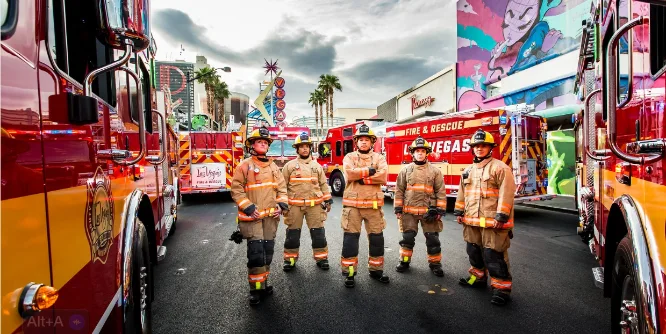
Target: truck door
<point>23,210</point>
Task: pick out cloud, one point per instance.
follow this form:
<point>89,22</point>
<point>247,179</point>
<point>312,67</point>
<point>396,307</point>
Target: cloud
<point>302,51</point>
<point>397,72</point>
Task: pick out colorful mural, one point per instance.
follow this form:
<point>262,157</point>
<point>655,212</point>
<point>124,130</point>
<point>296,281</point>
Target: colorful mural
<point>497,38</point>
<point>561,162</point>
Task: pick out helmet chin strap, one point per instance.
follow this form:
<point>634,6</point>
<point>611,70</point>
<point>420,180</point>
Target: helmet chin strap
<point>303,156</point>
<point>479,159</point>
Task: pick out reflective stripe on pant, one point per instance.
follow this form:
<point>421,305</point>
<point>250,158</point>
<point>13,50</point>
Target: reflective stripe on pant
<point>495,245</point>
<point>314,217</point>
<point>260,235</point>
<point>409,226</point>
<point>352,219</point>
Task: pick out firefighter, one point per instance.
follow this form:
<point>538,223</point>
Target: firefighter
<point>485,208</point>
<point>309,198</point>
<point>420,197</point>
<point>365,172</point>
<point>259,190</point>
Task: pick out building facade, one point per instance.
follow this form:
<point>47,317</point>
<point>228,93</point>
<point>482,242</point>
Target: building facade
<point>388,110</point>
<point>432,96</point>
<point>174,74</point>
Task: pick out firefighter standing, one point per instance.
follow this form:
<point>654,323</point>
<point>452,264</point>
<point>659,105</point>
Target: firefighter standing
<point>420,197</point>
<point>485,207</point>
<point>259,190</point>
<point>309,198</point>
<point>365,172</point>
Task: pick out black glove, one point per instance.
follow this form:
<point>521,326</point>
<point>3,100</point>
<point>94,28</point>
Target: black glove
<point>501,218</point>
<point>432,215</point>
<point>458,213</point>
<point>441,212</point>
<point>236,237</point>
<point>250,209</point>
<point>360,181</point>
<point>329,201</point>
<point>397,210</point>
<point>283,206</point>
<point>372,171</point>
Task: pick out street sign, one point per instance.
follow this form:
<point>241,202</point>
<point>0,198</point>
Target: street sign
<point>280,115</point>
<point>279,82</point>
<point>280,93</point>
<point>280,104</point>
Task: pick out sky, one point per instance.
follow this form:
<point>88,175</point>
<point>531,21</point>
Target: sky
<point>377,48</point>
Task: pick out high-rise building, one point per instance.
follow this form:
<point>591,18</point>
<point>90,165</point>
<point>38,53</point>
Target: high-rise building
<point>174,75</point>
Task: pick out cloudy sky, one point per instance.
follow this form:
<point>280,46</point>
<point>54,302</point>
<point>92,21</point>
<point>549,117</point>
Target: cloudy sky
<point>377,48</point>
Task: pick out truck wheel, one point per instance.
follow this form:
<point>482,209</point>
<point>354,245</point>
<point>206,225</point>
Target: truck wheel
<point>140,311</point>
<point>337,184</point>
<point>626,311</point>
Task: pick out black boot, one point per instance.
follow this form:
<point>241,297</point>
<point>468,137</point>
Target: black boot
<point>323,264</point>
<point>436,269</point>
<point>379,276</point>
<point>287,266</point>
<point>500,298</point>
<point>266,291</point>
<point>349,281</point>
<point>255,297</point>
<point>402,267</point>
<point>475,283</point>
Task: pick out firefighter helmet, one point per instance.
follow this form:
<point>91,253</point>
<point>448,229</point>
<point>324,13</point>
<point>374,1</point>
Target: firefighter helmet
<point>261,133</point>
<point>365,131</point>
<point>482,137</point>
<point>419,142</point>
<point>302,139</point>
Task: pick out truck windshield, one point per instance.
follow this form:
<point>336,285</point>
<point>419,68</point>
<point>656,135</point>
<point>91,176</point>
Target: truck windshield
<point>275,150</point>
<point>288,150</point>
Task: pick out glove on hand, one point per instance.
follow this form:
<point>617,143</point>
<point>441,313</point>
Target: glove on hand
<point>432,215</point>
<point>372,171</point>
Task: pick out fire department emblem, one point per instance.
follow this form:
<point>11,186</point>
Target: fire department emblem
<point>99,216</point>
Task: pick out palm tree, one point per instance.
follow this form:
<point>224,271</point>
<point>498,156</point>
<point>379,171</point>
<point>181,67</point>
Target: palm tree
<point>313,102</point>
<point>320,99</point>
<point>208,76</point>
<point>329,83</point>
<point>221,92</point>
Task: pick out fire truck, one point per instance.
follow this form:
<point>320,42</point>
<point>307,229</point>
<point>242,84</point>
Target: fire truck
<point>332,150</point>
<point>283,137</point>
<point>620,139</point>
<point>208,159</point>
<point>521,139</point>
<point>87,175</point>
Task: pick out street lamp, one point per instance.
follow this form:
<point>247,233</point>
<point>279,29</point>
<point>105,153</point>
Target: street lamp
<point>189,73</point>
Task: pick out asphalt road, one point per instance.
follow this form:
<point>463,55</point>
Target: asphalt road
<point>201,286</point>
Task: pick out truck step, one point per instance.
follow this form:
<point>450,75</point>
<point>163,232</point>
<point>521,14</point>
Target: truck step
<point>161,253</point>
<point>598,273</point>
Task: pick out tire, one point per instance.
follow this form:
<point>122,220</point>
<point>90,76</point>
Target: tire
<point>141,281</point>
<point>337,184</point>
<point>624,288</point>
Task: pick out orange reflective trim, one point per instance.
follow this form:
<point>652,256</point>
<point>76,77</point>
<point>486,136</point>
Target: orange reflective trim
<point>347,262</point>
<point>378,261</point>
<point>397,202</point>
<point>320,255</point>
<point>302,179</point>
<point>257,277</point>
<point>460,205</point>
<point>364,172</point>
<point>262,214</point>
<point>406,252</point>
<point>506,208</point>
<point>362,203</point>
<point>488,193</point>
<point>435,258</point>
<point>489,222</point>
<point>289,255</point>
<point>420,187</point>
<point>477,272</point>
<point>260,186</point>
<point>326,196</point>
<point>441,203</point>
<point>500,284</point>
<point>243,202</point>
<point>415,210</point>
<point>367,180</point>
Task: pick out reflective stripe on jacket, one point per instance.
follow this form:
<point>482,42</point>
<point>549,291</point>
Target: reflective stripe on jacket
<point>356,167</point>
<point>419,187</point>
<point>259,183</point>
<point>306,182</point>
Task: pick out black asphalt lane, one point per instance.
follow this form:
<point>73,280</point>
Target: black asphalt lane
<point>201,286</point>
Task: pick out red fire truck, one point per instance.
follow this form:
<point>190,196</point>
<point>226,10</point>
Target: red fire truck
<point>521,139</point>
<point>86,204</point>
<point>332,150</point>
<point>283,137</point>
<point>208,159</point>
<point>621,135</point>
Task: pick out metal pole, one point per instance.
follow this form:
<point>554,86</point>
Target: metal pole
<point>272,93</point>
<point>189,110</point>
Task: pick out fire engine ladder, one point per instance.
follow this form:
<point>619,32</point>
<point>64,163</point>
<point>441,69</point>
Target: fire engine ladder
<point>521,165</point>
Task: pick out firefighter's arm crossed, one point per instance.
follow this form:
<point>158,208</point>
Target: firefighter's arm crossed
<point>380,175</point>
<point>400,186</point>
<point>239,195</point>
<point>352,173</point>
<point>507,190</point>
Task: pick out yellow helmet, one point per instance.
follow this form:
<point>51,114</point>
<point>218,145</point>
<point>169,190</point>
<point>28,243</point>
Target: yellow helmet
<point>419,142</point>
<point>303,138</point>
<point>365,131</point>
<point>482,137</point>
<point>261,133</point>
